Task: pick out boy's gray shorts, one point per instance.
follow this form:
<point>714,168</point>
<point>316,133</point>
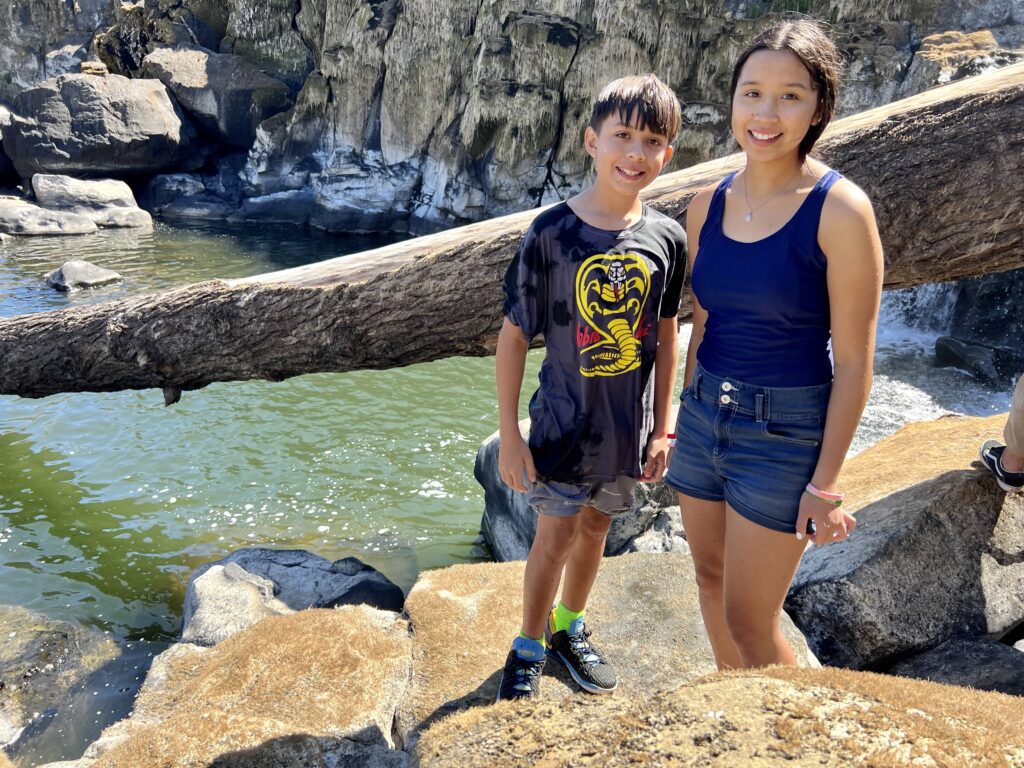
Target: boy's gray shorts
<point>612,497</point>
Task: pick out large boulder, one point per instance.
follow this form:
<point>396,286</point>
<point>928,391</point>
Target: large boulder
<point>108,202</point>
<point>954,55</point>
<point>996,367</point>
<point>509,523</point>
<point>248,585</point>
<point>772,717</point>
<point>225,94</point>
<point>990,310</point>
<point>938,551</point>
<point>312,688</point>
<point>666,534</point>
<point>224,600</point>
<point>85,125</point>
<point>644,613</point>
<point>20,217</point>
<point>971,662</point>
<point>41,661</point>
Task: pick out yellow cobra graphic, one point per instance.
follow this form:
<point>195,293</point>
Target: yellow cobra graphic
<point>611,291</point>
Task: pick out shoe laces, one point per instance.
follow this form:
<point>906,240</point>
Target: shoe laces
<point>526,669</point>
<point>580,644</point>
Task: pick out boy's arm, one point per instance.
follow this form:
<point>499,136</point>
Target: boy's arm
<point>514,457</point>
<point>665,362</point>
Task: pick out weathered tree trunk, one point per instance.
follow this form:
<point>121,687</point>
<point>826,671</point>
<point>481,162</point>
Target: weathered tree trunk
<point>943,169</point>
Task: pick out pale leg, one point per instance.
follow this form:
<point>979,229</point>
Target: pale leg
<point>704,522</point>
<point>759,567</point>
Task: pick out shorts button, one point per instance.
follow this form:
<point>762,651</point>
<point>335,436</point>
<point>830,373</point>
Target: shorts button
<point>725,399</point>
<point>726,386</point>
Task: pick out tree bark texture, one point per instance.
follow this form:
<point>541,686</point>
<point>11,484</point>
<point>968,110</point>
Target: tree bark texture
<point>943,169</point>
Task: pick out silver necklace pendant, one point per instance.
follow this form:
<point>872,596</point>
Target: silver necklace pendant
<point>750,216</point>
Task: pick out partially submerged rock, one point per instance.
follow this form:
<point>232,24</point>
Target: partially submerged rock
<point>239,590</point>
<point>41,660</point>
<point>318,687</point>
<point>938,551</point>
<point>77,274</point>
<point>224,600</point>
<point>107,202</point>
<point>993,366</point>
<point>20,217</point>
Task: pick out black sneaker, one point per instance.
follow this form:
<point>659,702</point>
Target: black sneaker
<point>991,453</point>
<point>520,679</point>
<point>585,663</point>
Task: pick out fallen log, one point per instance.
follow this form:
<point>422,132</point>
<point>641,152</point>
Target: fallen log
<point>943,169</point>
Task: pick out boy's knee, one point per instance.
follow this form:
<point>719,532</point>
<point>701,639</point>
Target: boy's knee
<point>555,535</point>
<point>594,524</point>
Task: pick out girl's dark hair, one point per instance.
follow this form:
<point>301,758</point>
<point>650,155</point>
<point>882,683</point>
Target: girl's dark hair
<point>810,43</point>
<point>643,98</point>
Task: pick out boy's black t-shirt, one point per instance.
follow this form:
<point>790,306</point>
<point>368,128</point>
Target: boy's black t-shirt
<point>596,296</point>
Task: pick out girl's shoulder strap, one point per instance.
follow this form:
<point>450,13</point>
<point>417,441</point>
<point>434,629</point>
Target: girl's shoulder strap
<point>717,206</point>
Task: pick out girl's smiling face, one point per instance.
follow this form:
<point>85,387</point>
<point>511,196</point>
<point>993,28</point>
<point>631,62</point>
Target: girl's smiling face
<point>774,105</point>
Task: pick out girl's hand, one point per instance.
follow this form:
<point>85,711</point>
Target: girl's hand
<point>831,523</point>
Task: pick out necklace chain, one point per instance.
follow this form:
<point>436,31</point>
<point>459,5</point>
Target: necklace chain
<point>750,210</point>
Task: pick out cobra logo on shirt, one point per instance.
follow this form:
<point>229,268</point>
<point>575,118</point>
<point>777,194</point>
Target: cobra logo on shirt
<point>611,290</point>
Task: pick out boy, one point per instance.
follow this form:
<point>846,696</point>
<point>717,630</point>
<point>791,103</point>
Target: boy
<point>600,277</point>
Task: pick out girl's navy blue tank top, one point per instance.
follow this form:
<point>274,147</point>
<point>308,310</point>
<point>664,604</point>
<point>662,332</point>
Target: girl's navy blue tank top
<point>767,301</point>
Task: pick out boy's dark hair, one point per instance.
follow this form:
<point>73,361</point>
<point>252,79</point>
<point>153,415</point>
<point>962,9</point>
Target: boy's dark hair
<point>810,43</point>
<point>643,99</point>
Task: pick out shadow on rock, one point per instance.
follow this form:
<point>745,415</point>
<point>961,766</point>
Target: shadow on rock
<point>365,748</point>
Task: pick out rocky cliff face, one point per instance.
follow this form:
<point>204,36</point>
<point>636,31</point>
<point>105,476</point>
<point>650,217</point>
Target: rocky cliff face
<point>40,39</point>
<point>490,121</point>
<point>422,114</point>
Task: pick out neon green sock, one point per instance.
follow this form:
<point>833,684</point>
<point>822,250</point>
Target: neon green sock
<point>564,617</point>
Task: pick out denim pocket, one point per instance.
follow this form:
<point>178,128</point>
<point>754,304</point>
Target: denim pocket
<point>806,431</point>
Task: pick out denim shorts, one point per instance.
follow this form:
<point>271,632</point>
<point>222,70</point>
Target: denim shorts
<point>557,499</point>
<point>754,447</point>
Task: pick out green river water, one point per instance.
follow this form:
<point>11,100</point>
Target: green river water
<point>109,501</point>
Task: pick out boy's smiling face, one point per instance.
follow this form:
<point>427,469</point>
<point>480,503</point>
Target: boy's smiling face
<point>627,157</point>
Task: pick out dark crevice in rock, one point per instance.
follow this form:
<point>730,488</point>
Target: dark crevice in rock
<point>549,179</point>
<point>384,14</point>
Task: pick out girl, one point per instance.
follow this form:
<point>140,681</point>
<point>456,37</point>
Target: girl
<point>785,255</point>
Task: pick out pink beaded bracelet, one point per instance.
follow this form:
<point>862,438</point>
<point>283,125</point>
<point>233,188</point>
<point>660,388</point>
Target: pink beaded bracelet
<point>835,499</point>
